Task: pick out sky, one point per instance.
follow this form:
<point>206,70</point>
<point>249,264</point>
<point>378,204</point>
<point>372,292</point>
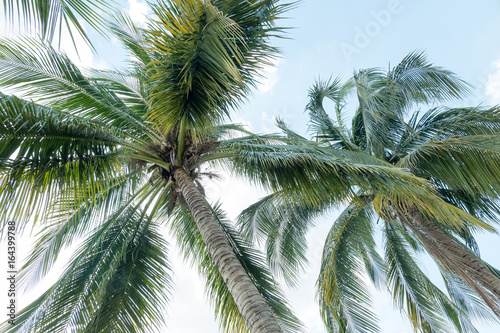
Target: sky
<point>329,38</point>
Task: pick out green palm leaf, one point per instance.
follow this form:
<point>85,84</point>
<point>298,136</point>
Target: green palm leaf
<point>409,286</point>
<point>45,151</point>
<point>68,222</point>
<point>283,227</point>
<point>343,296</point>
<point>208,60</point>
<point>39,72</point>
<point>118,279</point>
<point>47,17</point>
<point>418,81</point>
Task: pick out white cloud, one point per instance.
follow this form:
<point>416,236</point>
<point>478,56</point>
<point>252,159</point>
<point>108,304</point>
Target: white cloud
<point>269,76</point>
<point>267,122</point>
<point>492,89</point>
<point>247,124</point>
<point>82,55</point>
<point>138,11</point>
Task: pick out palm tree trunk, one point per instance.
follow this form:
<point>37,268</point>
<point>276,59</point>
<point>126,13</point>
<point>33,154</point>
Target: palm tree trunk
<point>255,311</point>
<point>453,255</point>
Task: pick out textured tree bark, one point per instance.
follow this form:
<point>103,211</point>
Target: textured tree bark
<point>257,315</point>
<point>453,255</point>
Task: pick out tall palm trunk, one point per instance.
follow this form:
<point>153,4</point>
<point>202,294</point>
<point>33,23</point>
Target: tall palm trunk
<point>257,315</point>
<point>453,255</point>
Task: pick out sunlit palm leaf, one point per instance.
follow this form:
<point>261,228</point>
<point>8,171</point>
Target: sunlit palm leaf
<point>46,17</point>
<point>283,227</point>
<point>67,222</point>
<point>343,295</point>
<point>39,72</point>
<point>119,279</point>
<point>209,58</point>
<point>44,151</point>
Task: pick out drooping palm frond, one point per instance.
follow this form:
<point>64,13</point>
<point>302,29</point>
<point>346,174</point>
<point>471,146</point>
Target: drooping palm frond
<point>457,149</point>
<point>452,255</point>
<point>46,18</point>
<point>299,169</point>
<point>466,299</point>
<point>67,222</point>
<point>283,228</point>
<point>483,207</point>
<point>344,299</point>
<point>469,163</point>
<point>313,176</point>
<point>440,123</point>
<point>119,279</point>
<point>43,151</point>
<point>39,72</point>
<point>194,250</point>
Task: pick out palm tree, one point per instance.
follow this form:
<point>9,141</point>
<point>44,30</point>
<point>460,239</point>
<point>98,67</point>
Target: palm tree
<point>111,156</point>
<point>454,150</point>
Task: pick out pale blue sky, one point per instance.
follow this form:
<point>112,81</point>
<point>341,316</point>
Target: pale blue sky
<point>334,38</point>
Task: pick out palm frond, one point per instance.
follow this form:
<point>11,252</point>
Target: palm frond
<point>291,135</point>
<point>44,151</point>
<point>322,126</point>
<point>119,279</point>
<point>46,17</point>
<point>457,150</point>
<point>466,299</point>
<point>344,299</point>
<point>418,81</point>
<point>126,86</point>
<point>408,285</point>
<point>67,222</point>
<point>39,72</point>
<point>378,108</point>
<point>283,227</point>
<point>314,173</point>
<point>452,255</point>
<point>442,123</point>
<point>132,37</point>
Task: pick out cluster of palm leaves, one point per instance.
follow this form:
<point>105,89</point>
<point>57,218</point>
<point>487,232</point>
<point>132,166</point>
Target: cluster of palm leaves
<point>453,150</point>
<point>113,158</point>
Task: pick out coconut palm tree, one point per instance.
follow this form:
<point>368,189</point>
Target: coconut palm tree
<point>109,156</point>
<point>455,150</point>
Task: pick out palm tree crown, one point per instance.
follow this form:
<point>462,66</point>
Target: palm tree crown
<point>453,151</point>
